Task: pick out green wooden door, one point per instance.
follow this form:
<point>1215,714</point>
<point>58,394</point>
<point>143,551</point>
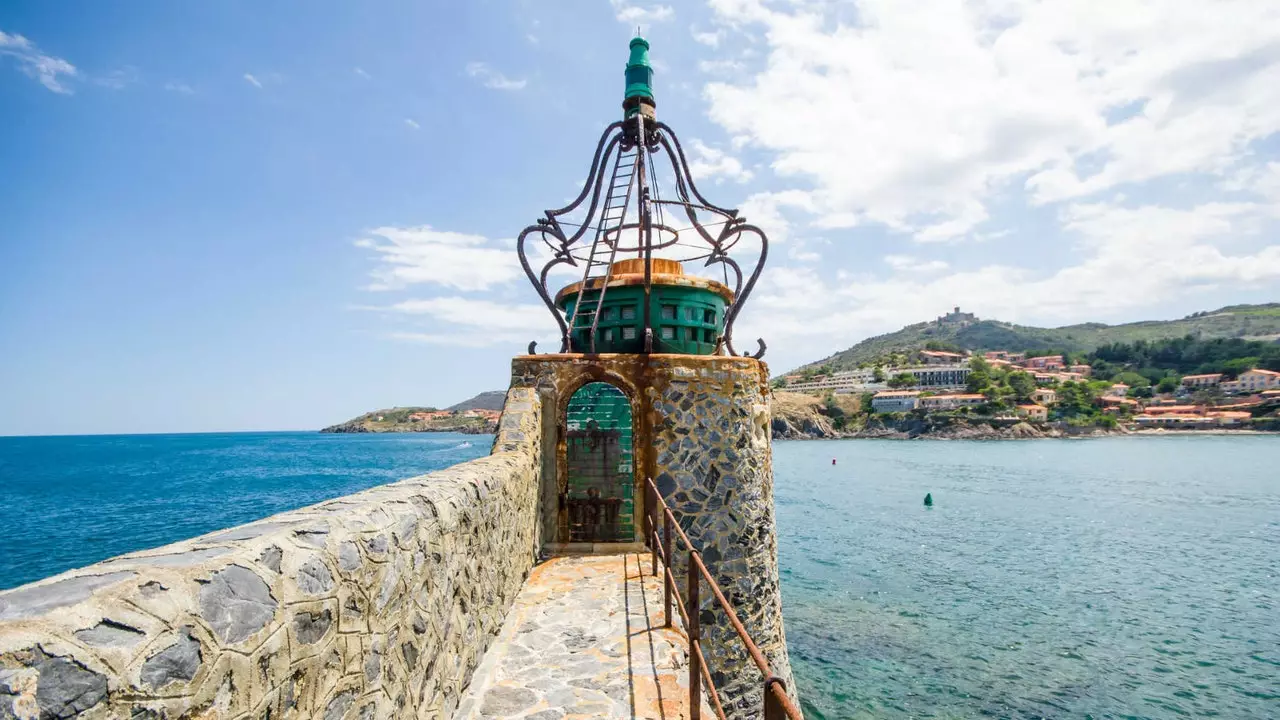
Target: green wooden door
<point>597,501</point>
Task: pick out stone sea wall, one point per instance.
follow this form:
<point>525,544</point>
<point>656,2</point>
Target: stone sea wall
<point>374,605</point>
<point>703,434</point>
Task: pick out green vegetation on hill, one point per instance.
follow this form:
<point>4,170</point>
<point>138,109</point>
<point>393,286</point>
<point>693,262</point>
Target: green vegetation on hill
<point>488,400</point>
<point>401,420</point>
<point>1236,321</point>
<point>1185,356</point>
<point>428,419</point>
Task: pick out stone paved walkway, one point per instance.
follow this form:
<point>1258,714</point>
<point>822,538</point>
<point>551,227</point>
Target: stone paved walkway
<point>585,640</point>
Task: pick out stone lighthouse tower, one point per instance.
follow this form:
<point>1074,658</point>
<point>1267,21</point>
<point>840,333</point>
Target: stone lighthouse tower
<point>645,277</point>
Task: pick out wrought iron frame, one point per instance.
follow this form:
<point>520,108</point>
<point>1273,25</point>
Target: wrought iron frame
<point>569,248</point>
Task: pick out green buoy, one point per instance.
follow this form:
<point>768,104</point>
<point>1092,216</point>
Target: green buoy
<point>928,499</point>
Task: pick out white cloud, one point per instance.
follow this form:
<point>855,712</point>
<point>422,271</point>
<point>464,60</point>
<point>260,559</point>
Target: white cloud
<point>722,66</point>
<point>708,162</point>
<point>921,114</point>
<point>118,79</point>
<point>710,39</point>
<point>909,264</point>
<point>412,123</point>
<point>637,15</point>
<point>765,210</point>
<point>249,78</point>
<point>493,79</point>
<point>46,69</point>
<point>470,322</point>
<point>423,255</point>
<point>179,87</point>
<point>1127,259</point>
<point>362,73</point>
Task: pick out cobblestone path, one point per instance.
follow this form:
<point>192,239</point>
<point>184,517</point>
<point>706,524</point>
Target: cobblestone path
<point>585,640</point>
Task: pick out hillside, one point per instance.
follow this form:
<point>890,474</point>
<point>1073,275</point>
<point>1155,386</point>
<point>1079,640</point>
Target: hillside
<point>488,400</point>
<point>1244,321</point>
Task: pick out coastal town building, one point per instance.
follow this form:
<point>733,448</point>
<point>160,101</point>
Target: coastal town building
<point>937,376</point>
<point>1111,402</point>
<point>951,402</point>
<point>1080,369</point>
<point>1117,390</point>
<point>1046,363</point>
<point>933,377</point>
<point>938,357</point>
<point>1034,412</point>
<point>1257,381</point>
<point>1176,410</point>
<point>845,381</point>
<point>1200,382</point>
<point>1192,421</point>
<point>895,401</point>
<point>1045,396</point>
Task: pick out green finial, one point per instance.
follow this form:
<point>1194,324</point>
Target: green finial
<point>639,74</point>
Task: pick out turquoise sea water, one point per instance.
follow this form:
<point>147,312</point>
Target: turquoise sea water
<point>70,501</point>
<point>1110,578</point>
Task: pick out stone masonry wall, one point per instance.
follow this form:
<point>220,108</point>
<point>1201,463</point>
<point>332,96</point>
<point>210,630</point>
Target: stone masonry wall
<point>713,464</point>
<point>375,605</point>
<point>702,432</point>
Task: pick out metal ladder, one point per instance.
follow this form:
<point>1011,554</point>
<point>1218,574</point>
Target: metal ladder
<point>586,314</point>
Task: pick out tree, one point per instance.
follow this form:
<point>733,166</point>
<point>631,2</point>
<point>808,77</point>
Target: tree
<point>1238,365</point>
<point>1168,384</point>
<point>1133,380</point>
<point>1074,400</point>
<point>902,380</point>
<point>1023,384</point>
<point>878,374</point>
<point>832,409</point>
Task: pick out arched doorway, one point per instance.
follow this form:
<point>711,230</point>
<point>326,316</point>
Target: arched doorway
<point>597,498</point>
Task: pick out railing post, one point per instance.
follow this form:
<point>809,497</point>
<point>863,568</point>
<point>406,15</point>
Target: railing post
<point>648,512</point>
<point>653,527</point>
<point>666,576</point>
<point>695,664</point>
<point>773,709</point>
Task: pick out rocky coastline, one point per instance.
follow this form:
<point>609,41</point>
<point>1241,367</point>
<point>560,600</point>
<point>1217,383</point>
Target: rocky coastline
<point>807,428</point>
<point>353,426</point>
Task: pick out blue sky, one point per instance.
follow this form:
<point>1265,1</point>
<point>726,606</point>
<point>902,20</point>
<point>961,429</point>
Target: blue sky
<point>241,215</point>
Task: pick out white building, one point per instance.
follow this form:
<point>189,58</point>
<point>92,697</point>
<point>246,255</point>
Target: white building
<point>843,381</point>
<point>1257,380</point>
<point>895,401</point>
<point>933,377</point>
<point>1045,396</point>
<point>1117,390</point>
<point>936,377</point>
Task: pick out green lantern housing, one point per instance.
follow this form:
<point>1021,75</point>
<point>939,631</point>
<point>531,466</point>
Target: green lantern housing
<point>638,96</point>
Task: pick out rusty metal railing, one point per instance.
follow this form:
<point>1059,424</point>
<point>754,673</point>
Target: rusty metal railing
<point>776,703</point>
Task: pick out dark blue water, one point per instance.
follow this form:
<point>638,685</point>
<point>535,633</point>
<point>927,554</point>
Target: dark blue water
<point>66,502</point>
<point>1111,578</point>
